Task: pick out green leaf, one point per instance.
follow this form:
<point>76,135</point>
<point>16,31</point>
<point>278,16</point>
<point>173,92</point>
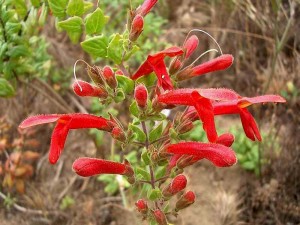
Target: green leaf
<point>73,27</point>
<point>35,3</point>
<point>75,8</point>
<point>21,8</point>
<point>134,109</point>
<point>111,188</point>
<point>6,89</point>
<point>3,48</point>
<point>143,173</point>
<point>58,7</point>
<point>95,22</point>
<point>12,27</point>
<point>249,165</point>
<point>158,117</point>
<point>146,157</point>
<point>120,96</point>
<point>125,83</point>
<point>133,50</point>
<point>139,134</point>
<point>115,49</point>
<point>161,172</point>
<point>154,194</point>
<point>156,132</point>
<point>148,80</point>
<point>96,46</point>
<point>87,6</point>
<point>18,51</point>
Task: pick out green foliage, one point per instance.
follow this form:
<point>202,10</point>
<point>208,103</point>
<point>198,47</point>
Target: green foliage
<point>66,202</point>
<point>95,22</point>
<point>23,52</point>
<point>96,46</point>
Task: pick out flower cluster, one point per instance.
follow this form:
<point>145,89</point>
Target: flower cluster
<point>162,145</point>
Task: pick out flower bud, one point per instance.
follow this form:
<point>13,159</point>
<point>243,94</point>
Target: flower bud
<point>109,77</point>
<point>177,185</point>
<point>141,206</point>
<point>185,127</point>
<point>225,139</point>
<point>94,74</point>
<point>118,134</point>
<point>136,27</point>
<point>83,89</point>
<point>145,8</point>
<point>160,217</point>
<point>141,95</point>
<point>175,66</point>
<point>190,45</point>
<point>129,172</point>
<point>185,200</point>
<point>184,74</point>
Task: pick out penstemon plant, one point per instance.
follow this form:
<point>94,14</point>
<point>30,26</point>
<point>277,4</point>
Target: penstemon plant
<point>151,89</point>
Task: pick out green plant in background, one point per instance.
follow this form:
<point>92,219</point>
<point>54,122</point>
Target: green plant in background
<point>23,53</point>
<point>67,202</point>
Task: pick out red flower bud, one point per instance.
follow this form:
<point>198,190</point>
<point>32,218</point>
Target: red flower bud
<point>175,66</point>
<point>118,134</point>
<point>82,89</point>
<point>185,200</point>
<point>136,27</point>
<point>109,77</point>
<point>160,217</point>
<point>145,8</point>
<point>225,139</point>
<point>177,185</point>
<point>141,206</point>
<point>141,95</point>
<point>190,45</point>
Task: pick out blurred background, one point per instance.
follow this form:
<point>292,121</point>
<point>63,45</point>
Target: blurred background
<point>263,188</point>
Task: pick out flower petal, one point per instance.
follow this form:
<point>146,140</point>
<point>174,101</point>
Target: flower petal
<point>39,119</point>
<point>206,114</point>
<point>190,45</point>
<point>58,140</point>
<point>86,167</point>
<point>219,155</point>
<point>244,102</point>
<point>81,120</point>
<point>249,125</point>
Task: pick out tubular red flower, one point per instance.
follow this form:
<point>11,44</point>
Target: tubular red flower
<point>136,27</point>
<point>220,63</point>
<point>82,89</point>
<point>155,63</point>
<point>86,167</point>
<point>141,95</point>
<point>177,185</point>
<point>65,122</point>
<point>190,45</point>
<point>219,155</point>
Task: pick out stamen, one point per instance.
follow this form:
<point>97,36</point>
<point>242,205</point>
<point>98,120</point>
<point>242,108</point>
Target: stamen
<point>202,31</point>
<point>204,53</point>
<point>74,71</point>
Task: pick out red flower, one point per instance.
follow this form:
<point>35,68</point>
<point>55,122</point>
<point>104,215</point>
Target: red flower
<point>160,217</point>
<point>220,63</point>
<point>86,167</point>
<point>155,63</point>
<point>201,100</point>
<point>142,206</point>
<point>110,77</point>
<point>218,154</point>
<point>239,107</point>
<point>82,89</point>
<point>145,8</point>
<point>65,122</point>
